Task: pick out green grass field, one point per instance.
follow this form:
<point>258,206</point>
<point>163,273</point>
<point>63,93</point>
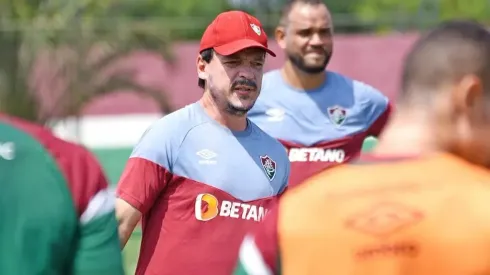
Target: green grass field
<point>131,252</point>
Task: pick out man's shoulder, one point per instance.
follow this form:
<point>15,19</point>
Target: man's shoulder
<point>369,95</point>
<point>36,131</point>
<point>73,163</point>
<point>46,138</point>
<point>371,170</point>
<point>176,124</point>
<point>162,141</point>
<point>184,117</point>
<point>369,101</point>
<point>361,90</point>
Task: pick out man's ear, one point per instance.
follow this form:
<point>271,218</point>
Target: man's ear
<point>280,35</point>
<point>467,93</point>
<point>201,68</point>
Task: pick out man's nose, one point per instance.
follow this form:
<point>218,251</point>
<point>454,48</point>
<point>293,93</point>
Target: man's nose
<point>246,72</point>
<point>316,40</point>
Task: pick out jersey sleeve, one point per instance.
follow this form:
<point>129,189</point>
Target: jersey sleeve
<point>259,251</point>
<point>379,124</point>
<point>98,250</point>
<point>378,109</point>
<point>149,167</point>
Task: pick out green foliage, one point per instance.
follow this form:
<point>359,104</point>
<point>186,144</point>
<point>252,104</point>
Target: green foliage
<point>82,40</point>
<point>419,14</point>
<point>185,19</point>
<point>344,16</point>
<point>473,9</point>
<point>78,50</point>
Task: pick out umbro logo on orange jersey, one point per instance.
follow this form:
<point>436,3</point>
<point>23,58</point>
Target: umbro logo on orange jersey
<point>384,219</point>
<point>207,207</point>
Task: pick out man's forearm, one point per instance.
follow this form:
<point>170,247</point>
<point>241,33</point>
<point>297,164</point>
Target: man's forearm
<point>128,217</point>
<point>125,232</point>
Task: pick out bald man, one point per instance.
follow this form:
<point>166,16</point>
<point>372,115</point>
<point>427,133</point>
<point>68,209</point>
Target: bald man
<point>320,116</point>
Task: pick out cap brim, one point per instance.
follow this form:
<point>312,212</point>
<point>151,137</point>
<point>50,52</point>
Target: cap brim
<point>236,46</point>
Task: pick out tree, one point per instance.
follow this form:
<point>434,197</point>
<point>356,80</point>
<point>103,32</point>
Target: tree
<point>269,12</point>
<point>77,53</point>
<point>420,14</point>
<point>185,19</point>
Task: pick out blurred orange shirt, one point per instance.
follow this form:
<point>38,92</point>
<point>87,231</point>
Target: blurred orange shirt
<point>426,216</point>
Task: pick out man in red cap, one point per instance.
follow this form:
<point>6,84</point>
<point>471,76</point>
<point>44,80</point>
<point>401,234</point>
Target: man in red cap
<point>200,177</point>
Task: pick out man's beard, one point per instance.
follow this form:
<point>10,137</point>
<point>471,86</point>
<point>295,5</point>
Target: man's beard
<point>230,108</point>
<point>237,111</point>
<point>240,111</point>
<point>299,62</point>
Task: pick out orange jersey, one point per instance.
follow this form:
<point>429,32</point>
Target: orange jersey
<point>423,216</point>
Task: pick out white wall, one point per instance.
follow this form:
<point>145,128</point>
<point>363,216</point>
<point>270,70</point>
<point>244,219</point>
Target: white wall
<point>105,131</point>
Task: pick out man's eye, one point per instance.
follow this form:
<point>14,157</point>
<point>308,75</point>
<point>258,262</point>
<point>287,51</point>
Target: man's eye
<point>304,33</point>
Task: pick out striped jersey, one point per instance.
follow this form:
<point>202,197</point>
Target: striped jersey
<point>57,215</point>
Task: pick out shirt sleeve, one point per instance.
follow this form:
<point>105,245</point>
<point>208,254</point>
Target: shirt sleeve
<point>379,124</point>
<point>149,167</point>
<point>376,108</point>
<point>259,251</point>
<point>98,250</point>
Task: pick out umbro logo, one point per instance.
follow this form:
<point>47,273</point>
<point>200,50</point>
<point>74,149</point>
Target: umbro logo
<point>207,156</point>
<point>275,114</point>
<point>7,150</point>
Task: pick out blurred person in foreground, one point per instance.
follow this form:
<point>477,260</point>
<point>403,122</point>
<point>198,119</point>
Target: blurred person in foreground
<point>202,175</point>
<point>320,116</point>
<point>419,203</point>
<point>57,215</point>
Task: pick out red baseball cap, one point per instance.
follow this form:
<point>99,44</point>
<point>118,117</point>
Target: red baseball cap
<point>233,31</point>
